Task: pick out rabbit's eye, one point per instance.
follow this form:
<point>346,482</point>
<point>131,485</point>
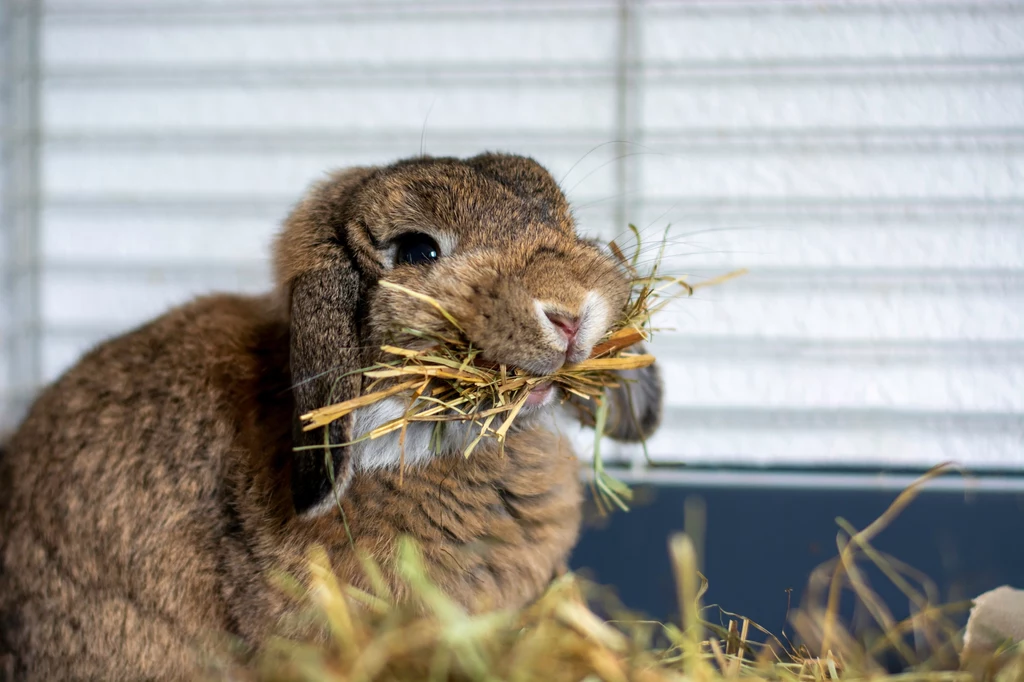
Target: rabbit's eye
<point>416,249</point>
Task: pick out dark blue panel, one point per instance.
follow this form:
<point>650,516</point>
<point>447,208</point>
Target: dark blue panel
<point>762,542</point>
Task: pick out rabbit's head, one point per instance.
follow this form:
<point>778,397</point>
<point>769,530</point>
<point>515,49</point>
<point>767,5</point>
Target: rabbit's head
<point>491,238</point>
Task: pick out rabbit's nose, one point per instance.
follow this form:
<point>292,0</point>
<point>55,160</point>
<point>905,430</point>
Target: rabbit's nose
<point>568,326</point>
<point>568,334</point>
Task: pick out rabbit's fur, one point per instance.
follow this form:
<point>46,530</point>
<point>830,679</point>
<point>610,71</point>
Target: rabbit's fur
<point>153,487</point>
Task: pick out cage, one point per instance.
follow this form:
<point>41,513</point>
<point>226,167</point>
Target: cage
<point>864,161</point>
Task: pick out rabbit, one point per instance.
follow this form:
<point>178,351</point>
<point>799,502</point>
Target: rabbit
<point>153,490</point>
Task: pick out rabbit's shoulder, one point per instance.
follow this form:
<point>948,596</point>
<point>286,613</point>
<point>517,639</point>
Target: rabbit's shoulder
<point>143,421</point>
<point>149,414</point>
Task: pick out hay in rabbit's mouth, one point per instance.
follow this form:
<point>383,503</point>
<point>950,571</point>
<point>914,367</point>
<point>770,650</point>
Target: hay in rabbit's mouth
<point>448,380</point>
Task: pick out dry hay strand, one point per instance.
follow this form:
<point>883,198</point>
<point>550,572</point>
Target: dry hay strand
<point>448,381</point>
<point>368,636</point>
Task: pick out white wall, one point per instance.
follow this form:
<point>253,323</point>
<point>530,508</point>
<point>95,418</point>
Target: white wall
<point>864,160</point>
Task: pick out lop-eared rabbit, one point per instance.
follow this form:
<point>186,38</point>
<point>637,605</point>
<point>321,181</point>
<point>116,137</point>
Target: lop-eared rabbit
<point>153,489</point>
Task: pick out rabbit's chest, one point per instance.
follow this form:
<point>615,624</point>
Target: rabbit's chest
<point>494,528</point>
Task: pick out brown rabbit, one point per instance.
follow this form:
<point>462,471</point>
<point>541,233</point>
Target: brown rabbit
<point>154,486</point>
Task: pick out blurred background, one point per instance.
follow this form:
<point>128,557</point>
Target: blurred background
<point>865,160</point>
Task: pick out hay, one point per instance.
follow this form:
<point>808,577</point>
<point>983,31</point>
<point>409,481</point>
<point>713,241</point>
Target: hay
<point>366,637</point>
<point>448,381</point>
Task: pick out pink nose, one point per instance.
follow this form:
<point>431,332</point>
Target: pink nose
<point>569,326</point>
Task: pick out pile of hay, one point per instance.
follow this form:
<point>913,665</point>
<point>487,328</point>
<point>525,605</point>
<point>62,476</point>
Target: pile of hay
<point>448,381</point>
<point>369,638</point>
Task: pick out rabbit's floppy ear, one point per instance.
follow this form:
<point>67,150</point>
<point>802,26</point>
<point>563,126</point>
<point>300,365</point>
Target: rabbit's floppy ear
<point>318,274</point>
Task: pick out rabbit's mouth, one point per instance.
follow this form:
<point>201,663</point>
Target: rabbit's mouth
<point>541,395</point>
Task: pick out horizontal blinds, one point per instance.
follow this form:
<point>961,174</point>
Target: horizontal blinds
<point>864,160</point>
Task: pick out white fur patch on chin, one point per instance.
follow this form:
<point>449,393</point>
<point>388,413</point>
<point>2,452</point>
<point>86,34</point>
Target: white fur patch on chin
<point>385,452</point>
<point>382,452</point>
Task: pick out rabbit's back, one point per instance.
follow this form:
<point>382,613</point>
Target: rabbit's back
<point>114,513</point>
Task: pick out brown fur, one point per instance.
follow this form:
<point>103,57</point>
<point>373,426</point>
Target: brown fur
<point>152,488</point>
